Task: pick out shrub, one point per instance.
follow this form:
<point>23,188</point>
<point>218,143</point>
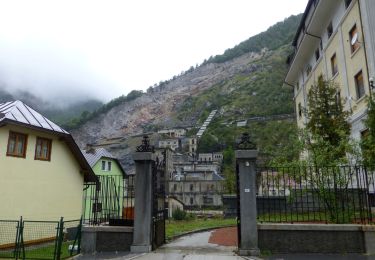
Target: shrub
<point>179,214</point>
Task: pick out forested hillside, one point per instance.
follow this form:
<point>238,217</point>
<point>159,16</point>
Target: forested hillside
<point>276,36</point>
<point>62,115</point>
<point>244,82</point>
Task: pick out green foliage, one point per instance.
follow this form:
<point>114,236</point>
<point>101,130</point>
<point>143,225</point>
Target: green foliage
<point>368,140</point>
<point>258,93</point>
<point>229,179</point>
<point>86,116</point>
<point>325,142</point>
<point>208,144</point>
<point>228,156</point>
<point>179,214</point>
<point>174,228</point>
<point>64,116</point>
<point>277,35</point>
<point>327,131</point>
<point>61,116</point>
<point>229,166</point>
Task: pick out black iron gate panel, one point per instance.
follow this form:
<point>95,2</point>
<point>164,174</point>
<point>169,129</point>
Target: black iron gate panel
<point>158,205</point>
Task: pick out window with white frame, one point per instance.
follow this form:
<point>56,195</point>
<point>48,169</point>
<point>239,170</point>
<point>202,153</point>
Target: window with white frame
<point>106,166</point>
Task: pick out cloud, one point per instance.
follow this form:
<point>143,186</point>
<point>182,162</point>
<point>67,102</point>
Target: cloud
<point>49,72</point>
<point>74,49</point>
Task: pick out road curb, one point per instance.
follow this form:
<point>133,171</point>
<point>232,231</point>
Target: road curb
<point>197,231</point>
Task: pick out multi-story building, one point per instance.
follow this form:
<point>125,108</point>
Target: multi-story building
<point>336,40</point>
<point>198,189</point>
<point>197,184</point>
<point>193,145</point>
<point>166,155</point>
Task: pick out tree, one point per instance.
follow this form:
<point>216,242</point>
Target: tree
<point>208,144</point>
<point>368,141</point>
<point>228,170</point>
<point>327,132</point>
<point>327,142</point>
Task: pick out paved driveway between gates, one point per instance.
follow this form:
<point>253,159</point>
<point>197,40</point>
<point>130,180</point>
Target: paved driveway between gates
<point>196,246</point>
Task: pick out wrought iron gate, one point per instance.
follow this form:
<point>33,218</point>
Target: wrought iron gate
<point>158,203</point>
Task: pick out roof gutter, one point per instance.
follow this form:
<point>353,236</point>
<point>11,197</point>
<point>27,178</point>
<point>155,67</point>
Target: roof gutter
<point>301,26</point>
<point>290,85</point>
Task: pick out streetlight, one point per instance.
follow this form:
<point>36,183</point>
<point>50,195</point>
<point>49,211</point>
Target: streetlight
<point>371,81</point>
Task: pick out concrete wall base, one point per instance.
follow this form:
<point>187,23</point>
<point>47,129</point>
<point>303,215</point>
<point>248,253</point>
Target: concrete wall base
<point>249,252</point>
<point>317,238</point>
<point>141,248</point>
<point>106,239</point>
<point>369,236</point>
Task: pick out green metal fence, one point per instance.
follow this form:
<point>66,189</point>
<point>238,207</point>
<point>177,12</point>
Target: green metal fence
<point>25,239</point>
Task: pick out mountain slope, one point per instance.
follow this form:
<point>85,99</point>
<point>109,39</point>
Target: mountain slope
<point>248,85</point>
<point>168,105</point>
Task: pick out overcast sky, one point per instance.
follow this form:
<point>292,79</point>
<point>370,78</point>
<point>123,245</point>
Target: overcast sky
<point>107,48</point>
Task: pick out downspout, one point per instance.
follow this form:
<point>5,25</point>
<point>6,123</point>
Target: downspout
<point>364,45</point>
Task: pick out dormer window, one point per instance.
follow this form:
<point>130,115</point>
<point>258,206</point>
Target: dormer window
<point>103,165</point>
<point>109,166</point>
<point>106,166</point>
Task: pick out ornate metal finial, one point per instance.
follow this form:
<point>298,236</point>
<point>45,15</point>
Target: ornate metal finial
<point>246,143</point>
<point>145,146</point>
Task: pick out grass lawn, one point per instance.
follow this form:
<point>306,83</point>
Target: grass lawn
<point>46,252</point>
<point>174,228</point>
<point>312,217</point>
<point>319,217</point>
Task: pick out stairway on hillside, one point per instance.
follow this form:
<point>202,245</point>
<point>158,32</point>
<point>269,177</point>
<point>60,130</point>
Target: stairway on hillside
<point>206,123</point>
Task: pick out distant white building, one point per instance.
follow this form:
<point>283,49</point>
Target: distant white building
<point>217,157</point>
<point>174,133</point>
<point>242,123</point>
<point>174,144</point>
<point>210,157</point>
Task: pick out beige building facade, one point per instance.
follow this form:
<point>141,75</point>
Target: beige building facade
<point>335,40</point>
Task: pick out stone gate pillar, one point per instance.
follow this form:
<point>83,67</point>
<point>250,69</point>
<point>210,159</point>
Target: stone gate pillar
<point>142,237</point>
<point>246,155</point>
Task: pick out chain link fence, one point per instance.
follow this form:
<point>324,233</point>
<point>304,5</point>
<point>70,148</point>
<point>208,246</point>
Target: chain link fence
<point>26,239</point>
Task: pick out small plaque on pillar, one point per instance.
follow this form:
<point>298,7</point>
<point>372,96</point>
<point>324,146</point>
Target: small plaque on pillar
<point>247,190</point>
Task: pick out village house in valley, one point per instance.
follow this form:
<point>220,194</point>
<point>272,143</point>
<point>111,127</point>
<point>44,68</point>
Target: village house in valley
<point>108,199</point>
<point>42,170</point>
